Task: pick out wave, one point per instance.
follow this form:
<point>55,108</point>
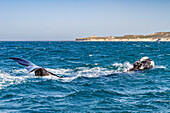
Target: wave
<point>93,72</point>
<point>123,67</point>
<point>160,66</point>
<point>7,79</point>
<point>19,71</point>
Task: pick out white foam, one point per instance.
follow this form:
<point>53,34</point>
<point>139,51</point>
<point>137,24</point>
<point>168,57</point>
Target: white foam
<point>157,66</point>
<point>19,71</point>
<point>66,79</point>
<point>92,72</point>
<point>60,71</point>
<point>147,46</point>
<point>123,67</point>
<point>7,79</point>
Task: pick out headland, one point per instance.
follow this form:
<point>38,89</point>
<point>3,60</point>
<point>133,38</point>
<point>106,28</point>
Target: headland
<point>158,36</point>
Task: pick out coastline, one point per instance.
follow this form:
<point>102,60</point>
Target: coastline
<point>159,36</point>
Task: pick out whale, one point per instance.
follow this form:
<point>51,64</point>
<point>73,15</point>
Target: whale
<point>31,67</point>
<point>143,64</point>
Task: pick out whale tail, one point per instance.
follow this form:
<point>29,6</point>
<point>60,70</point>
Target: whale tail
<point>39,71</point>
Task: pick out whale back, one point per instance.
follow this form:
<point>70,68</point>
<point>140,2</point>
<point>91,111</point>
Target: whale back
<point>41,72</point>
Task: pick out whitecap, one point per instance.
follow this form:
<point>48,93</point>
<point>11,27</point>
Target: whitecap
<point>123,67</point>
<point>7,80</point>
<point>90,72</point>
<point>68,74</point>
<point>160,66</point>
<point>19,71</point>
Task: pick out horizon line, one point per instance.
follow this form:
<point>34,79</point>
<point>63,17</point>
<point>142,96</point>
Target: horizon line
<point>34,40</point>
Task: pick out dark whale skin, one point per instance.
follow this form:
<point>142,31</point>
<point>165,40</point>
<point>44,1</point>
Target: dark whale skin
<point>143,64</point>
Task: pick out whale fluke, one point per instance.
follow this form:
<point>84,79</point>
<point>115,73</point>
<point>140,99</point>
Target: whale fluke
<point>39,71</point>
<point>30,66</point>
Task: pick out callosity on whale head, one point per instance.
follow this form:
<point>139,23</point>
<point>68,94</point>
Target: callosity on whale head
<point>143,64</point>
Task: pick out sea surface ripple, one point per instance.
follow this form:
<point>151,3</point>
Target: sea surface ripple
<point>95,77</point>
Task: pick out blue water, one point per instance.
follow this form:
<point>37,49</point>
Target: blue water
<point>96,79</point>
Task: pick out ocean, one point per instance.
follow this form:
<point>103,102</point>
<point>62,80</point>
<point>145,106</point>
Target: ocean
<point>95,77</point>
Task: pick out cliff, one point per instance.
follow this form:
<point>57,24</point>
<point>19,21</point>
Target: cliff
<point>159,36</point>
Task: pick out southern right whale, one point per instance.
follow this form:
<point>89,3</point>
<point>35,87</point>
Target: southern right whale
<point>143,64</point>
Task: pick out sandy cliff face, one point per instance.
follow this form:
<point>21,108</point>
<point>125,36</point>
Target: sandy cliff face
<point>159,36</point>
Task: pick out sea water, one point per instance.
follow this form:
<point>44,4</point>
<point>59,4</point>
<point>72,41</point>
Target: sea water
<point>96,77</point>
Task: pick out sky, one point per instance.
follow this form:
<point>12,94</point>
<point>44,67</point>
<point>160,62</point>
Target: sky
<point>66,20</point>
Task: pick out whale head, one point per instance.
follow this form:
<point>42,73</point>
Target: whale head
<point>144,58</point>
<point>143,64</point>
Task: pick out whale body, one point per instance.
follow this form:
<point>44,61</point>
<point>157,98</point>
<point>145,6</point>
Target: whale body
<point>39,71</point>
<point>143,64</point>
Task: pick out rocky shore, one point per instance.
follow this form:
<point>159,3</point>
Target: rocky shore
<point>159,36</point>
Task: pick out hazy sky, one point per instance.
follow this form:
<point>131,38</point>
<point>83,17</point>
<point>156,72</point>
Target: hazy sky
<point>70,19</point>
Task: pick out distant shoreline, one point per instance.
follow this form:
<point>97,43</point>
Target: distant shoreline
<point>81,41</point>
<point>159,36</point>
<point>37,40</point>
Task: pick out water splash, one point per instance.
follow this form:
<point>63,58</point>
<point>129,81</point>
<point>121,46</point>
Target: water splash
<point>7,79</point>
<point>68,74</point>
<point>19,71</point>
<point>123,67</point>
<point>160,66</point>
<point>93,72</point>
